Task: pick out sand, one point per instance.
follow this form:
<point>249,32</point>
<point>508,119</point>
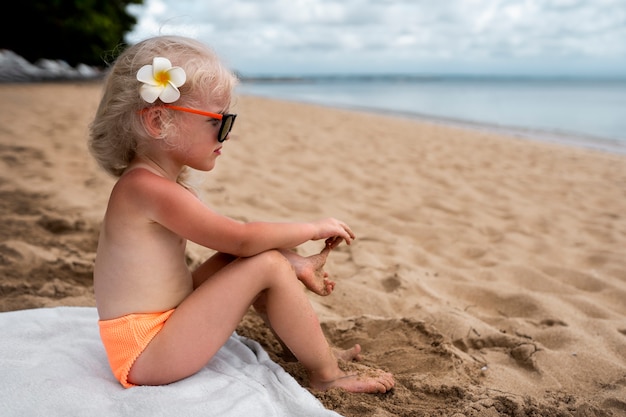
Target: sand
<point>488,273</point>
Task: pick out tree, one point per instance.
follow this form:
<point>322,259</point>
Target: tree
<point>76,31</point>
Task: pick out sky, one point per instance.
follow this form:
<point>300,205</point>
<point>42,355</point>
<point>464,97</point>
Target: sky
<point>422,37</point>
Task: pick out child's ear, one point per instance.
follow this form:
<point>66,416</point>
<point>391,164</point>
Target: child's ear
<point>152,120</point>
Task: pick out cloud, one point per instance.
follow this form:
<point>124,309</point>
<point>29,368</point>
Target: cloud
<point>392,35</point>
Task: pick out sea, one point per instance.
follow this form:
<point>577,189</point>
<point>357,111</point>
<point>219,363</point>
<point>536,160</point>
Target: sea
<point>583,112</point>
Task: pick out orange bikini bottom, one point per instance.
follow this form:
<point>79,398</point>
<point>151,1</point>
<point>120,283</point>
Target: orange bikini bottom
<point>125,337</point>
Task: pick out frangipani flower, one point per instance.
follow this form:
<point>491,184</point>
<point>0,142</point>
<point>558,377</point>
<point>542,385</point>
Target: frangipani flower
<point>161,80</point>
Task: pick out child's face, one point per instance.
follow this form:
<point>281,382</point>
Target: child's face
<point>199,147</point>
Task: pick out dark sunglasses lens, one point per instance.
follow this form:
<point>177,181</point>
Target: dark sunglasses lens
<point>227,125</point>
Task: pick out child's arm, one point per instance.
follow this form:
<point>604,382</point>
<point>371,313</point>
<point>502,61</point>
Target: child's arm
<point>178,210</point>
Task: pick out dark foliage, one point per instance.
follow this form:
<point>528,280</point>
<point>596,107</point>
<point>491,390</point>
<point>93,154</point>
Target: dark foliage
<point>75,31</point>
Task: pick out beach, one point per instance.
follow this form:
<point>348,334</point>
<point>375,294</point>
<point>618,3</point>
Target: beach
<point>488,273</point>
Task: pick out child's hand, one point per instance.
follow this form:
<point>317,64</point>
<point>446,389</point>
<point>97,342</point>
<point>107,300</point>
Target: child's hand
<point>332,228</point>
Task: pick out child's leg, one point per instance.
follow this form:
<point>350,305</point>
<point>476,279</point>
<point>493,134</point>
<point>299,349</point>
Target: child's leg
<point>311,348</point>
<point>350,354</point>
<point>204,321</point>
<point>309,270</point>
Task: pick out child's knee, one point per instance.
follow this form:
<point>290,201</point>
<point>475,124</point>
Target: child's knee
<point>275,263</point>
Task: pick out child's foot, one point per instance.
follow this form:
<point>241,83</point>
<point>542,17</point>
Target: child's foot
<point>367,380</point>
<point>310,269</point>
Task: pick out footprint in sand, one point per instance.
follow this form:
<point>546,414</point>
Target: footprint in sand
<point>392,283</point>
<point>518,348</point>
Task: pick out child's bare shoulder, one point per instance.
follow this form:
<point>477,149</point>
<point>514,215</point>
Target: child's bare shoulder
<point>144,190</point>
<point>141,184</point>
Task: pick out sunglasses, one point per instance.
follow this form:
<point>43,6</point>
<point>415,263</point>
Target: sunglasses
<point>228,120</point>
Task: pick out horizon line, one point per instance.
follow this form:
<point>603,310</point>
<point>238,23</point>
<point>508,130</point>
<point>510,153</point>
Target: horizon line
<point>427,77</point>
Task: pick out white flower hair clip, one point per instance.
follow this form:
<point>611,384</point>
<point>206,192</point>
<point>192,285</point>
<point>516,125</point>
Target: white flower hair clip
<point>161,80</point>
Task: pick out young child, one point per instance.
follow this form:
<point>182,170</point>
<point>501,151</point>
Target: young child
<point>165,108</point>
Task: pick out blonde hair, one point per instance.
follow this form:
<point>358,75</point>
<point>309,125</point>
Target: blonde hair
<point>117,131</point>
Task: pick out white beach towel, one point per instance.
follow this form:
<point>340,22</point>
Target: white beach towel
<point>52,363</point>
